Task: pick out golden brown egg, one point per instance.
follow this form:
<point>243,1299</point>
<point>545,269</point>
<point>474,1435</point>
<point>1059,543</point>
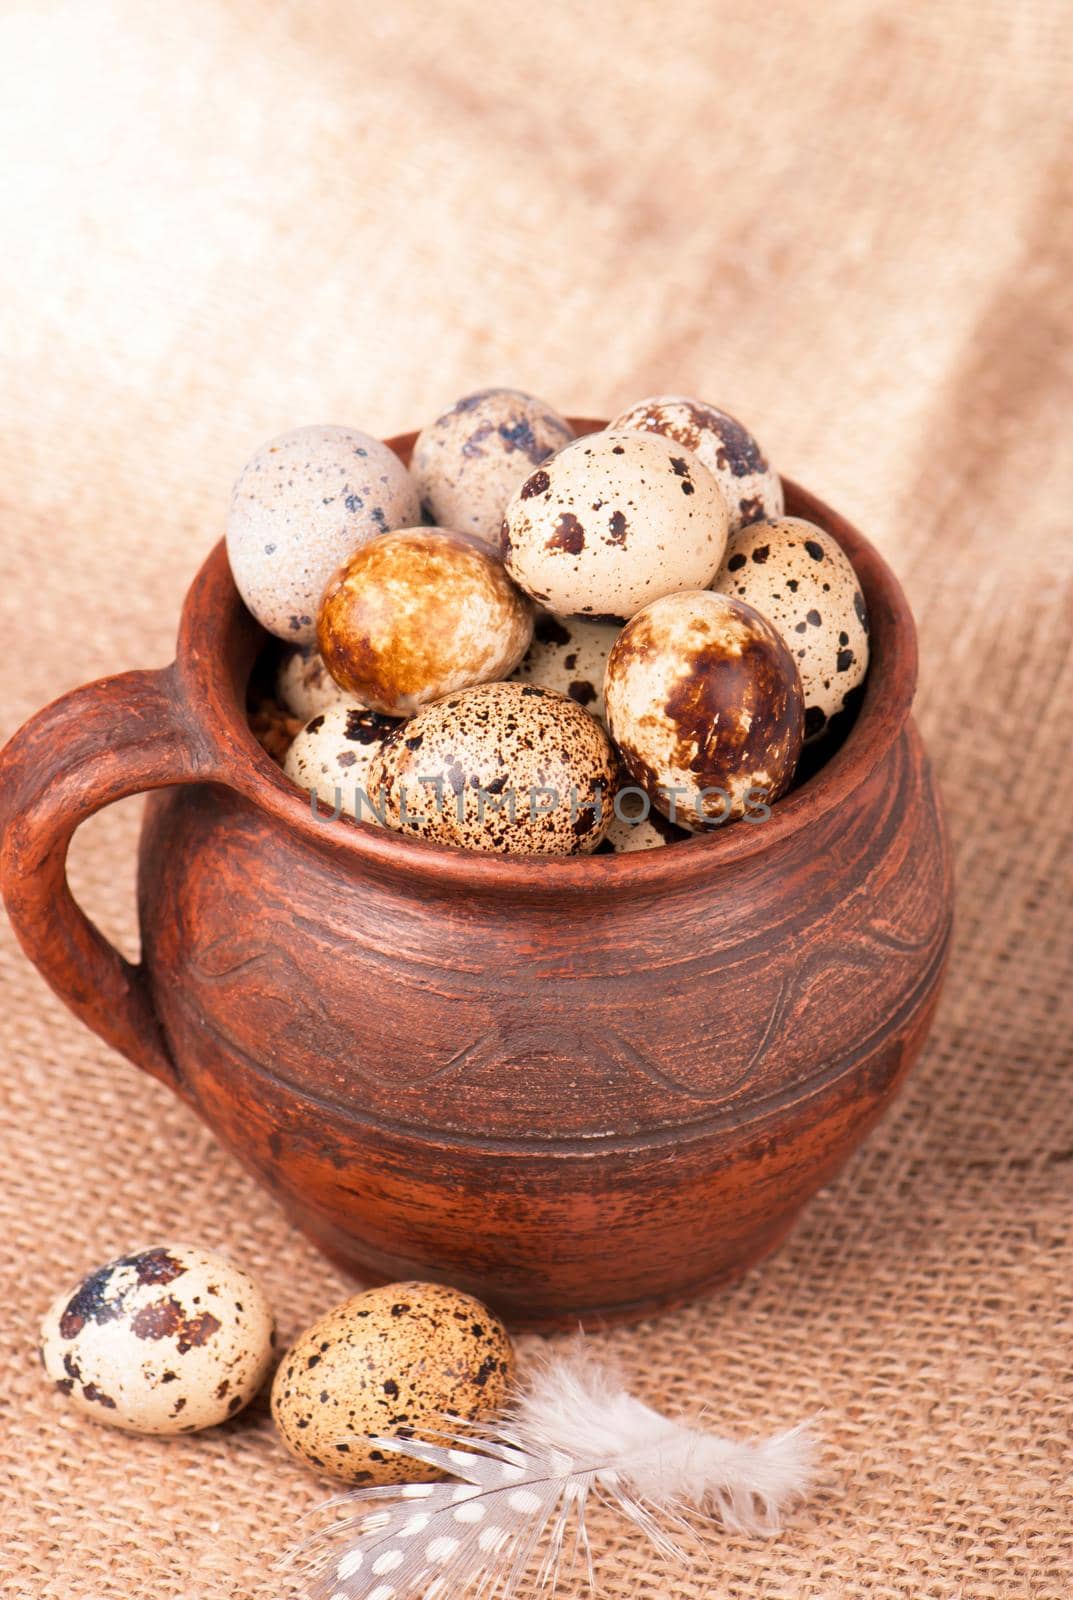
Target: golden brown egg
<point>705,705</point>
<point>416,614</point>
<point>395,1361</point>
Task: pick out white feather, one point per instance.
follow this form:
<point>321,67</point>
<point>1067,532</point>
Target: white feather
<point>575,1406</point>
<point>574,1430</point>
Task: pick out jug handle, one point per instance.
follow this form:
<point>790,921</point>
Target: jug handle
<point>97,744</point>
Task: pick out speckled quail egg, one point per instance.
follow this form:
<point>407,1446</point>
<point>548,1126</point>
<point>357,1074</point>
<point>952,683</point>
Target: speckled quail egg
<point>168,1340</point>
<point>417,614</point>
<point>469,462</point>
<point>704,703</point>
<point>301,505</point>
<point>394,1361</point>
<point>304,685</point>
<point>332,756</point>
<point>612,521</point>
<point>799,577</point>
<point>570,654</point>
<point>750,486</point>
<point>501,767</point>
<point>637,825</point>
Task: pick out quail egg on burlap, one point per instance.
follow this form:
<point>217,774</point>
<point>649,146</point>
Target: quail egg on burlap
<point>304,685</point>
<point>469,462</point>
<point>500,767</point>
<point>301,505</point>
<point>799,577</point>
<point>751,487</point>
<point>612,521</point>
<point>419,613</point>
<point>332,756</point>
<point>570,654</point>
<point>704,703</point>
<point>392,1362</point>
<point>167,1340</point>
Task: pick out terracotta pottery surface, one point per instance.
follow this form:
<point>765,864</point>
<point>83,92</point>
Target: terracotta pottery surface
<point>577,1086</point>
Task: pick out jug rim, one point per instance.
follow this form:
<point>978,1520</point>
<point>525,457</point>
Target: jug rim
<point>219,642</point>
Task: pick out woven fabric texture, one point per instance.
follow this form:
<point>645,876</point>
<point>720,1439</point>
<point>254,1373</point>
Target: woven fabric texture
<point>852,224</point>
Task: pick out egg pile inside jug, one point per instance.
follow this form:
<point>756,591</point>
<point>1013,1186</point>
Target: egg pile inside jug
<point>541,643</point>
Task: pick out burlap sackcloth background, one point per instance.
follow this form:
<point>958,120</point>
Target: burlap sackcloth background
<point>851,223</point>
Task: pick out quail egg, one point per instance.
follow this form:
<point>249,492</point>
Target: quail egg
<point>799,577</point>
<point>301,505</point>
<point>500,767</point>
<point>469,462</point>
<point>570,654</point>
<point>332,755</point>
<point>637,825</point>
<point>395,1361</point>
<point>417,614</point>
<point>168,1340</point>
<point>304,685</point>
<point>613,521</point>
<point>751,487</point>
<point>704,703</point>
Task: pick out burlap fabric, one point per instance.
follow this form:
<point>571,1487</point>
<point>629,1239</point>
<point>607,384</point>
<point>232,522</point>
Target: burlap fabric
<point>852,224</point>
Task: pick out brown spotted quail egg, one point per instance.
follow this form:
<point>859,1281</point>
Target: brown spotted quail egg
<point>613,521</point>
<point>301,505</point>
<point>799,577</point>
<point>332,756</point>
<point>165,1341</point>
<point>637,825</point>
<point>417,614</point>
<point>304,686</point>
<point>751,487</point>
<point>570,654</point>
<point>704,703</point>
<point>500,767</point>
<point>469,462</point>
<point>394,1361</point>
